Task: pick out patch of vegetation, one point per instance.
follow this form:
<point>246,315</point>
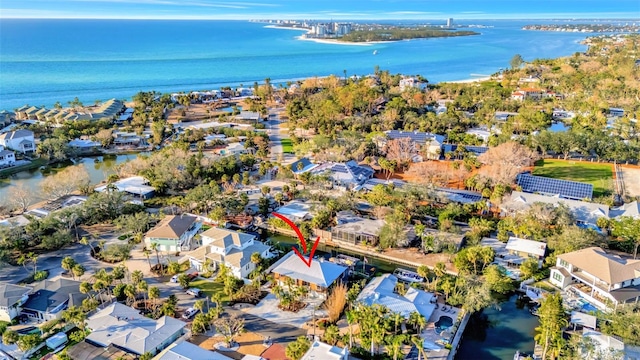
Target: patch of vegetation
<point>401,34</point>
<point>210,288</point>
<point>287,146</point>
<point>599,175</point>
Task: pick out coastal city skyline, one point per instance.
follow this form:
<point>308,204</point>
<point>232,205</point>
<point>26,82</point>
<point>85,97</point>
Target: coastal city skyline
<point>286,9</point>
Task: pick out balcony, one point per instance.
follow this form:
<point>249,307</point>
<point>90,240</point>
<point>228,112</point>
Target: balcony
<point>584,291</point>
<point>589,280</point>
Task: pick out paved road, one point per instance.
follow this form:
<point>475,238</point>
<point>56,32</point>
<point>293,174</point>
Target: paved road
<point>279,333</point>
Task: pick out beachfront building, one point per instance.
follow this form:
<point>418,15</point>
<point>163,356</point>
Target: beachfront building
<point>126,329</point>
<point>231,248</point>
<point>7,157</point>
<point>319,350</point>
<point>50,298</point>
<point>382,291</point>
<point>601,278</point>
<point>318,277</point>
<point>136,186</point>
<point>344,175</point>
<point>12,297</point>
<point>20,141</point>
<point>173,233</point>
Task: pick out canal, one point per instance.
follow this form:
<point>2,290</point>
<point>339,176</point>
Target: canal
<point>496,333</point>
<point>98,167</point>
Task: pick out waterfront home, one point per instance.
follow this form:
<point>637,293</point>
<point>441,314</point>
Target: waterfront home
<point>136,186</point>
<point>30,113</point>
<point>126,329</point>
<point>173,233</point>
<point>585,213</point>
<point>122,138</point>
<point>12,297</point>
<point>344,175</point>
<point>409,82</point>
<point>319,350</point>
<point>428,144</point>
<point>50,298</point>
<point>20,141</point>
<point>84,144</point>
<point>187,351</point>
<point>513,253</point>
<point>57,204</point>
<point>228,247</point>
<point>318,277</point>
<point>601,278</point>
<point>296,211</point>
<point>355,230</point>
<point>382,290</point>
<point>6,117</point>
<point>7,157</point>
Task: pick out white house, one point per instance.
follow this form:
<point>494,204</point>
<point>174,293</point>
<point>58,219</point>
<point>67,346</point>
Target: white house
<point>7,158</point>
<point>381,290</point>
<point>20,140</point>
<point>528,94</point>
<point>601,278</point>
<point>188,351</point>
<point>296,211</point>
<point>12,297</point>
<point>319,350</point>
<point>347,175</point>
<point>231,248</point>
<point>125,328</point>
<point>173,233</point>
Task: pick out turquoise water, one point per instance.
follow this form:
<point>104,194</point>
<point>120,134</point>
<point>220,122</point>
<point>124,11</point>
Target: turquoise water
<point>44,61</point>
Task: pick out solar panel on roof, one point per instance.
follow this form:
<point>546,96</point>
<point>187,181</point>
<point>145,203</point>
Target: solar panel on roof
<point>548,186</point>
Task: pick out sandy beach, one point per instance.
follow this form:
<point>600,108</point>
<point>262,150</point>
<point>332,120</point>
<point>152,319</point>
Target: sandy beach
<point>338,42</point>
<point>285,28</point>
<point>472,80</point>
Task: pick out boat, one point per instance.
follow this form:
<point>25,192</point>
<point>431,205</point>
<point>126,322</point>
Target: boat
<point>345,260</point>
<point>375,52</point>
<point>408,276</point>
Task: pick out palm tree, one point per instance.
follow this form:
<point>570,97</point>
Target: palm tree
<point>75,315</point>
<point>147,253</point>
<point>397,320</point>
<point>153,293</point>
<point>439,270</point>
<point>417,320</point>
<point>352,317</point>
<point>130,292</point>
<point>155,247</point>
<point>417,341</point>
<point>394,345</point>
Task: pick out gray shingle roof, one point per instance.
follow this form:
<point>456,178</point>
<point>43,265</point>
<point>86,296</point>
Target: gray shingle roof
<point>10,294</point>
<point>48,294</point>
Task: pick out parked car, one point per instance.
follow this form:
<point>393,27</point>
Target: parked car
<point>189,313</point>
<point>192,276</point>
<point>194,291</point>
<point>174,279</point>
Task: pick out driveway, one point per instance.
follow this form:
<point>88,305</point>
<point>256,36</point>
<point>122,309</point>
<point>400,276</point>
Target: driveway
<point>279,333</point>
<point>268,309</point>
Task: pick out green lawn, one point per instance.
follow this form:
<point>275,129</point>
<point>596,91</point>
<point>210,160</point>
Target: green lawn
<point>600,175</point>
<point>287,146</point>
<point>210,287</point>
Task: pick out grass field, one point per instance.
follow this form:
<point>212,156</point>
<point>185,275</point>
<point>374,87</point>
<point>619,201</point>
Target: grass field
<point>287,146</point>
<point>210,287</point>
<point>599,175</point>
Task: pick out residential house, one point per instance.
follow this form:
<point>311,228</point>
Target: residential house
<point>173,233</point>
<point>296,211</point>
<point>188,351</point>
<point>251,116</point>
<point>20,140</point>
<point>586,213</point>
<point>528,80</point>
<point>7,158</point>
<point>318,277</point>
<point>356,230</point>
<point>50,298</point>
<point>525,248</point>
<point>345,175</point>
<point>13,221</point>
<point>228,247</point>
<point>631,209</point>
<point>323,351</point>
<point>6,117</point>
<point>136,186</point>
<point>244,91</point>
<point>235,148</point>
<point>301,166</point>
<point>616,112</point>
<point>514,252</point>
<point>125,328</point>
<point>20,112</point>
<point>428,144</point>
<point>528,94</point>
<point>601,278</point>
<point>408,82</point>
<point>12,297</point>
<point>121,138</point>
<point>382,290</point>
<point>504,115</point>
<point>84,144</point>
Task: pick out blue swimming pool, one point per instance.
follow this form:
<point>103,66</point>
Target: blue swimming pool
<point>588,308</point>
<point>444,323</point>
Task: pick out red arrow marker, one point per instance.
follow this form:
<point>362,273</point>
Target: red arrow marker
<point>302,240</point>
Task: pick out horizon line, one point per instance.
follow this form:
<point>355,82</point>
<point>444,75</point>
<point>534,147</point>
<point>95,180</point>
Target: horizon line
<point>298,19</point>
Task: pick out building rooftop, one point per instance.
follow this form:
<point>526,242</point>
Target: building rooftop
<point>295,210</point>
<point>358,225</point>
<point>224,238</point>
<point>171,227</point>
<point>381,290</point>
<point>324,351</point>
<point>188,351</point>
<point>136,185</point>
<point>528,246</point>
<point>49,294</point>
<point>11,294</point>
<point>321,273</point>
<point>583,211</point>
<point>631,209</point>
<point>416,136</point>
<point>607,267</point>
<point>126,328</point>
<point>16,134</point>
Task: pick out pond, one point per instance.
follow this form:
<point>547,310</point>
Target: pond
<point>98,167</point>
<point>497,333</point>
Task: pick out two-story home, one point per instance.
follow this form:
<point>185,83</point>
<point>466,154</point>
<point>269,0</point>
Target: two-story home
<point>528,94</point>
<point>231,248</point>
<point>20,140</point>
<point>7,157</point>
<point>603,279</point>
<point>11,299</point>
<point>51,297</point>
<point>317,278</point>
<point>173,233</point>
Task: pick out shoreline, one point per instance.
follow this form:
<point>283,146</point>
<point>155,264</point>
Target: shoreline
<point>467,81</point>
<point>338,42</point>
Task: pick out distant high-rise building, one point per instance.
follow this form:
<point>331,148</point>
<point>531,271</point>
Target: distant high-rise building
<point>450,22</point>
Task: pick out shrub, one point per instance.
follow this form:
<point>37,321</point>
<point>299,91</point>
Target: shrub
<point>336,302</point>
<point>40,275</point>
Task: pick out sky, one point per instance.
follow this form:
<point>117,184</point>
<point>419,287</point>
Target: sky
<point>321,9</point>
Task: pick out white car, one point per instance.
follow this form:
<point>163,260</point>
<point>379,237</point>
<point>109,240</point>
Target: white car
<point>194,291</point>
<point>174,279</point>
<point>189,313</point>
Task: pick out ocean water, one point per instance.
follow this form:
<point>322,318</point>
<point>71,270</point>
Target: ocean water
<point>44,61</point>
